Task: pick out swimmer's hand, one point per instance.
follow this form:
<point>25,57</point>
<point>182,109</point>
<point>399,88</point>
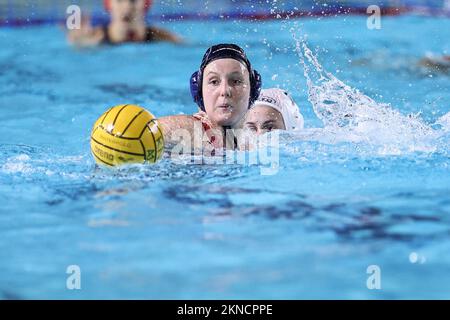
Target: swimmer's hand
<point>86,35</point>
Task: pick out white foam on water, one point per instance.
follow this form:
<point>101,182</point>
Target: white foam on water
<point>444,122</point>
<point>17,164</point>
<point>42,163</point>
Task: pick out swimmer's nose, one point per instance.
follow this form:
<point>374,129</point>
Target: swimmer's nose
<point>260,131</point>
<point>130,3</point>
<point>128,7</point>
<point>225,89</point>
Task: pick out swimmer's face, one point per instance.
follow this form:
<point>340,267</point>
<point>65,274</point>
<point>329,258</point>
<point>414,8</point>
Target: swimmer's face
<point>226,91</point>
<point>128,11</point>
<point>261,119</point>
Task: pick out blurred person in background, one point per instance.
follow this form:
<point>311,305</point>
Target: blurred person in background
<point>127,25</point>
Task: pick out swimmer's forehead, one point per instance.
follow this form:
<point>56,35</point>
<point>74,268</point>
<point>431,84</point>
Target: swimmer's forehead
<point>226,66</point>
<point>262,113</point>
<point>136,3</point>
<point>263,109</point>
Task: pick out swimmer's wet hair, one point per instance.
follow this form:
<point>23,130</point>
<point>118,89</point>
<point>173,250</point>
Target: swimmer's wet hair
<point>224,51</point>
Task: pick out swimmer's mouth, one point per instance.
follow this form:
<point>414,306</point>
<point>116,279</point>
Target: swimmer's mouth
<point>224,107</point>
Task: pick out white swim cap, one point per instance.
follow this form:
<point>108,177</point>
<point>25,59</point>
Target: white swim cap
<point>281,101</point>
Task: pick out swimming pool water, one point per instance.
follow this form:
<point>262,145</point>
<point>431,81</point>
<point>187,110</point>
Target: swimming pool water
<point>369,192</point>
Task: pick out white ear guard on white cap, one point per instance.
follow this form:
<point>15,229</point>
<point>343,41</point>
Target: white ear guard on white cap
<point>281,101</point>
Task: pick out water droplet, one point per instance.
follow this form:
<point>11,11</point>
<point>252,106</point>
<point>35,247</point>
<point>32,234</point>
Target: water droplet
<point>413,257</point>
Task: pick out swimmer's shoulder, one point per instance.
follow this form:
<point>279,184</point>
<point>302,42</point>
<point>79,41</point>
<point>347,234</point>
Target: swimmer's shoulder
<point>179,126</point>
<point>87,38</point>
<point>154,34</point>
<point>175,122</point>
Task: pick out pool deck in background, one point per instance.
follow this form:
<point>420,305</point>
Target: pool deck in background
<point>25,12</point>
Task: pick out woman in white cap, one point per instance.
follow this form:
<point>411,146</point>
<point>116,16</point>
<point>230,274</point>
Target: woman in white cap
<point>274,109</point>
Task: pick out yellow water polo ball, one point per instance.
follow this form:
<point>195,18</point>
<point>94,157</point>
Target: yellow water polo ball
<point>126,134</point>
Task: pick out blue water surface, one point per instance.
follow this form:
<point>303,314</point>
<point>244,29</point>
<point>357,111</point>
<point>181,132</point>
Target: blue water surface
<point>181,231</point>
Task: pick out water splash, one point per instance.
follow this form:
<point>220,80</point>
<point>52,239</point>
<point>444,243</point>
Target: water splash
<point>444,122</point>
<point>350,116</point>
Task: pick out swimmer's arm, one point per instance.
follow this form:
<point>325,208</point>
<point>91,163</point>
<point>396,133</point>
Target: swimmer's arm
<point>159,34</point>
<point>86,35</point>
<point>175,127</point>
<point>85,40</point>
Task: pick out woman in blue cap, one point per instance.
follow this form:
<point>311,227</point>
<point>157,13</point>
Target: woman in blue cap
<point>224,88</point>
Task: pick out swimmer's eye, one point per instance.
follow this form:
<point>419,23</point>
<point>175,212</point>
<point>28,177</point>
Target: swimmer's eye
<point>214,82</point>
<point>269,128</point>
